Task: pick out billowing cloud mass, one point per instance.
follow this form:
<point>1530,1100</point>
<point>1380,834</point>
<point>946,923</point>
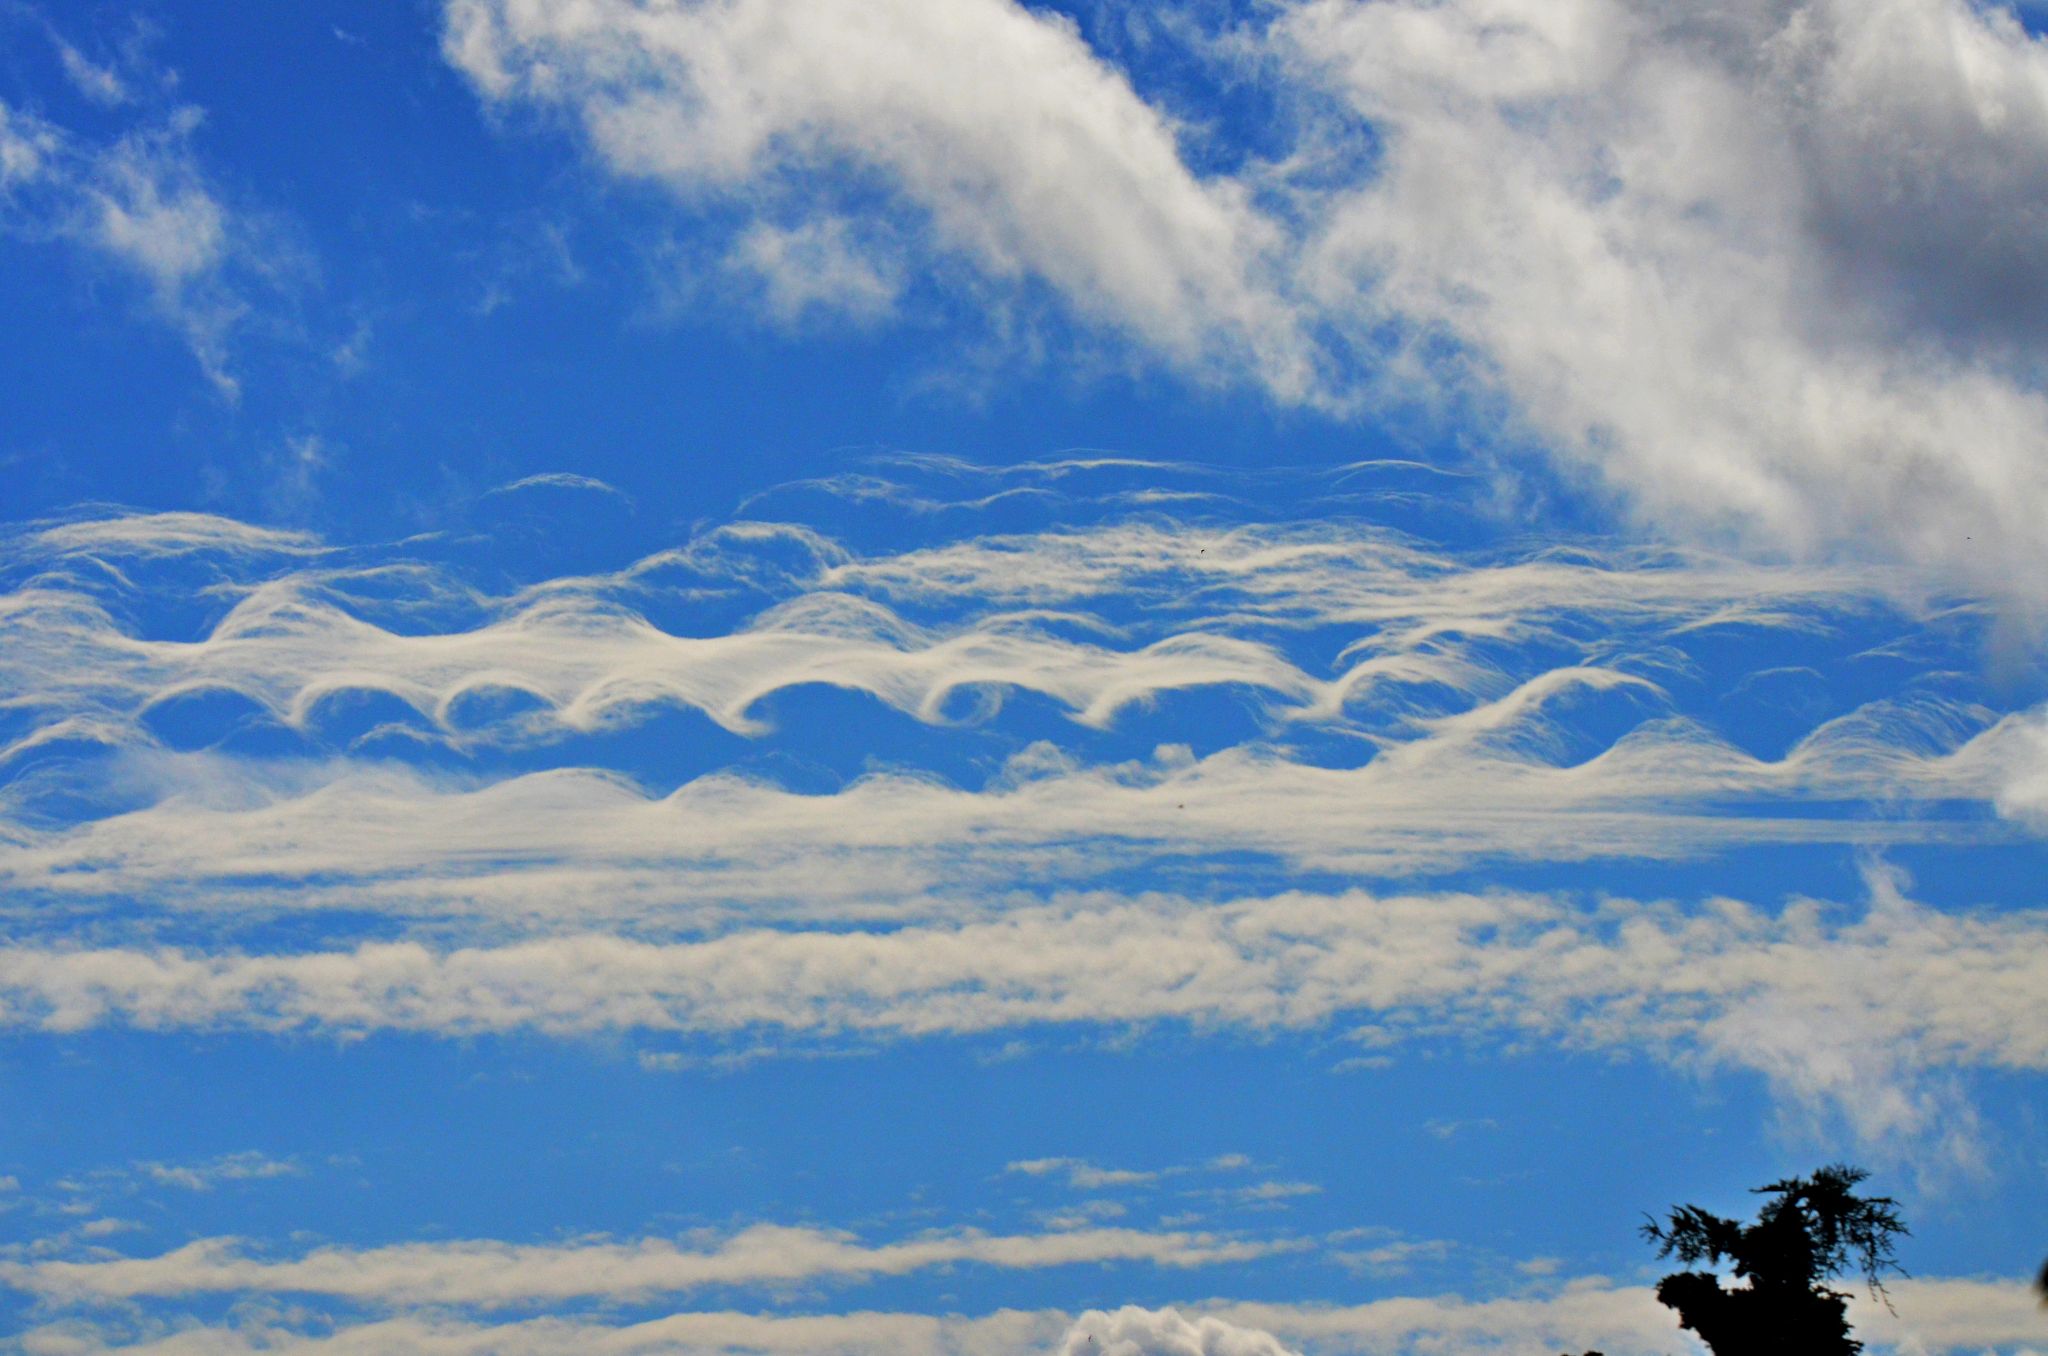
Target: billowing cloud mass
<point>1773,273</point>
<point>761,101</point>
<point>1164,1332</point>
<point>1766,268</point>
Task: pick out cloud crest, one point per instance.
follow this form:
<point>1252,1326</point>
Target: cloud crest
<point>1131,1331</point>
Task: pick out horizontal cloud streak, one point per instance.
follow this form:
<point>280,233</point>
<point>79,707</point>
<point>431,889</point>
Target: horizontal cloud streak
<point>1935,1315</point>
<point>1846,1015</point>
<point>492,1274</point>
<point>583,844</point>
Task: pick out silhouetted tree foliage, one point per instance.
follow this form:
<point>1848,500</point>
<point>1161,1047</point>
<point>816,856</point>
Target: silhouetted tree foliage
<point>1807,1232</point>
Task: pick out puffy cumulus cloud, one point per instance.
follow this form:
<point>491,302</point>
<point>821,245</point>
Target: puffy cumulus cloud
<point>491,1274</point>
<point>1010,144</point>
<point>1765,268</point>
<point>142,202</point>
<point>1132,1331</point>
<point>1857,1018</point>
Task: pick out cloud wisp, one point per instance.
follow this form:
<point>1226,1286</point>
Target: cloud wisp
<point>764,104</point>
<point>142,203</point>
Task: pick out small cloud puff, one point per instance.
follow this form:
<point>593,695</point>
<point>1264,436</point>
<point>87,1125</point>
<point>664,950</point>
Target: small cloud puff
<point>1131,1331</point>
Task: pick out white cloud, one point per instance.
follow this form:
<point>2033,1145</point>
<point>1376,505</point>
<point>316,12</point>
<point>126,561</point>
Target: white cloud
<point>101,84</point>
<point>222,837</point>
<point>820,267</point>
<point>559,480</point>
<point>1773,273</point>
<point>141,201</point>
<point>1163,1332</point>
<point>1765,269</point>
<point>492,1274</point>
<point>1935,1315</point>
<point>1007,1333</point>
<point>1430,626</point>
<point>1459,672</point>
<point>145,536</point>
<point>1080,1173</point>
<point>1010,145</point>
<point>1856,1018</point>
<point>248,1165</point>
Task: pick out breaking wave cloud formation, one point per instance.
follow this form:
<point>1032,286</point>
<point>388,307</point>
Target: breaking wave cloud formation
<point>1090,750</point>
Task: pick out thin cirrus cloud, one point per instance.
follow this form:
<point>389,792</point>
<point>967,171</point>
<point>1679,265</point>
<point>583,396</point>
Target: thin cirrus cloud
<point>142,202</point>
<point>1761,301</point>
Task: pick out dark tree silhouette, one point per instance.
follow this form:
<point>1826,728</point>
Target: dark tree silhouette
<point>1805,1234</point>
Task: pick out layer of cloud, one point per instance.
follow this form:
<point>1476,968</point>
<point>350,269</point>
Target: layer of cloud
<point>1857,1017</point>
<point>228,841</point>
<point>1934,1316</point>
<point>492,1274</point>
<point>1099,621</point>
<point>1469,677</point>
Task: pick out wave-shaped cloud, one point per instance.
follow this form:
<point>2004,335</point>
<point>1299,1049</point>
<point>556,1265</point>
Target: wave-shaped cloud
<point>1495,708</point>
<point>219,833</point>
<point>1195,608</point>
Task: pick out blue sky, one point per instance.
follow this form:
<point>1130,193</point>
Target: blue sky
<point>791,677</point>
